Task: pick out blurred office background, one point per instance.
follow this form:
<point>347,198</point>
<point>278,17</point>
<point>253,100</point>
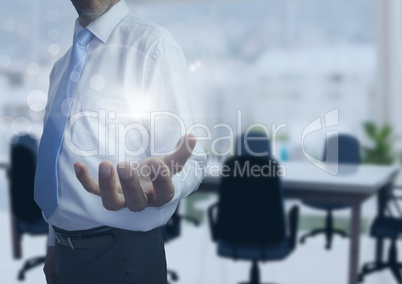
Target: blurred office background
<point>274,62</point>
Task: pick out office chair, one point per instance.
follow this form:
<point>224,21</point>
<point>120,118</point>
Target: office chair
<point>253,143</point>
<point>172,230</point>
<point>346,149</point>
<point>26,216</point>
<point>248,221</point>
<point>386,226</point>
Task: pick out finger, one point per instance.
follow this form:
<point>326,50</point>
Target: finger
<point>82,174</point>
<point>163,189</point>
<point>184,149</point>
<point>135,198</point>
<point>111,198</point>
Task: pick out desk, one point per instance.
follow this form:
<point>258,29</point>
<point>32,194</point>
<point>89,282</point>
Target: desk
<point>303,180</point>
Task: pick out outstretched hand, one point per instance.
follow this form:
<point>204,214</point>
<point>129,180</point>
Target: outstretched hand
<point>148,184</point>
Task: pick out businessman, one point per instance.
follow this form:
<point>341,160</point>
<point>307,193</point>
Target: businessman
<point>115,157</point>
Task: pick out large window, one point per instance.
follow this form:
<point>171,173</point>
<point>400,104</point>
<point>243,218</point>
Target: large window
<point>34,34</point>
<point>270,62</point>
<point>276,62</point>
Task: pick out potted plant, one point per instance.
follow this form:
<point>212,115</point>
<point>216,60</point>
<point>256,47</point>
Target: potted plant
<point>380,151</point>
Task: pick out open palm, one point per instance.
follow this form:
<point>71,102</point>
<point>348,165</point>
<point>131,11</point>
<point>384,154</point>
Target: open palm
<point>148,184</point>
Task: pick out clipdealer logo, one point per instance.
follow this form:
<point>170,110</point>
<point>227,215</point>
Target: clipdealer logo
<point>331,122</point>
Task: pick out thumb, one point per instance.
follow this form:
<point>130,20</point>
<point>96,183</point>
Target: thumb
<point>184,149</point>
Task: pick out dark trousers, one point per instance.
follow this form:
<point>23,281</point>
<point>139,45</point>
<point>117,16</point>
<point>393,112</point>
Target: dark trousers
<point>132,258</point>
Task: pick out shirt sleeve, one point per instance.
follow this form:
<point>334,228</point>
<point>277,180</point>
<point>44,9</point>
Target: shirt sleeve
<point>171,117</point>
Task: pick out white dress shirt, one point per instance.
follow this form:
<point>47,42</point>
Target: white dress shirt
<point>130,104</point>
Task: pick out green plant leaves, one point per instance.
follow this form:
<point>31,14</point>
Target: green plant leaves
<point>370,129</point>
<point>381,138</point>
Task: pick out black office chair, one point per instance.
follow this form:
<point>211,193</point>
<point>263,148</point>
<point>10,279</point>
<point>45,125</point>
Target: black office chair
<point>26,216</point>
<point>387,226</point>
<point>172,230</point>
<point>248,221</point>
<point>253,143</point>
<point>346,149</point>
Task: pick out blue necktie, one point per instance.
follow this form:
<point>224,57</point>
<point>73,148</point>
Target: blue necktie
<point>46,178</point>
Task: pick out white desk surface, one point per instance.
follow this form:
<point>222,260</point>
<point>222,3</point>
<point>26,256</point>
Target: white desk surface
<point>363,178</point>
<point>366,179</point>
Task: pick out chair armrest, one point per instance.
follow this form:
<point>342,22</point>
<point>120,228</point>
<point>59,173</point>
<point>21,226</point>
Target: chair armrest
<point>293,225</point>
<point>8,173</point>
<point>212,221</point>
<point>15,238</point>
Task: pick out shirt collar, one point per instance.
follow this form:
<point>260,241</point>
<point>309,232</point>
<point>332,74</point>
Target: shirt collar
<point>103,26</point>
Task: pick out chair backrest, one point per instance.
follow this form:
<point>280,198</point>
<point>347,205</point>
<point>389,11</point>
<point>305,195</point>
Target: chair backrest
<point>346,147</point>
<point>253,143</point>
<point>172,229</point>
<point>22,174</point>
<point>250,209</point>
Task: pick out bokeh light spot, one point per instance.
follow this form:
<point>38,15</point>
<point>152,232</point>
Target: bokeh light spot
<point>36,131</point>
<point>37,100</point>
<point>75,76</point>
<point>97,82</point>
<point>54,49</point>
<point>33,68</point>
<point>112,115</point>
<point>66,105</point>
<point>35,114</point>
<point>192,67</point>
<point>21,126</point>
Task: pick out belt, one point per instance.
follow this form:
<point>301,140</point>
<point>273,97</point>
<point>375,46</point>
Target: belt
<point>86,239</point>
